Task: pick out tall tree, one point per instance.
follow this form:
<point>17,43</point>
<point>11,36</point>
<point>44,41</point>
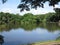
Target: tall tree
<point>57,10</point>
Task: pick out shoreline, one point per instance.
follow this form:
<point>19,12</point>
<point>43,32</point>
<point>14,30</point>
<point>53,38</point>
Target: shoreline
<point>56,42</point>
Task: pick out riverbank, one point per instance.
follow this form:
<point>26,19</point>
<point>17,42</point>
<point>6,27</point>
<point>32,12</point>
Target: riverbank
<point>47,43</point>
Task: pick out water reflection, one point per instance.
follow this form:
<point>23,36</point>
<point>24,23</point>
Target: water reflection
<point>59,23</point>
<point>58,38</point>
<point>1,39</point>
<point>29,27</point>
<point>16,34</point>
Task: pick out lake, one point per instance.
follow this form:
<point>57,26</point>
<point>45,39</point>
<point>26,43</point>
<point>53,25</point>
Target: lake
<point>29,33</point>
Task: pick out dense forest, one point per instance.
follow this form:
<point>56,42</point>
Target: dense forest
<point>7,18</point>
<point>29,21</point>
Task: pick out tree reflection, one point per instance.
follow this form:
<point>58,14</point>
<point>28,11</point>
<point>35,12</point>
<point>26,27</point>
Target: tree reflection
<point>58,38</point>
<point>51,27</point>
<point>1,39</point>
<point>59,23</point>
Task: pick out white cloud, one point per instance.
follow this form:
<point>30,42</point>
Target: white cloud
<point>57,6</point>
<point>33,11</point>
<point>38,11</point>
<point>12,8</point>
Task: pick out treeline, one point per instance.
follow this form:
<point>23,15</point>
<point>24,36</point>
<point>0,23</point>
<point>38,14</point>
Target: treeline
<point>7,18</point>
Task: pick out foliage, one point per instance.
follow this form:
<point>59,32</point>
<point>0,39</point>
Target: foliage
<point>6,18</point>
<point>54,17</point>
<point>28,4</point>
<point>3,1</point>
<point>9,21</point>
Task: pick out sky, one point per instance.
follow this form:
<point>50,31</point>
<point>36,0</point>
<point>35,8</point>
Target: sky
<point>11,7</point>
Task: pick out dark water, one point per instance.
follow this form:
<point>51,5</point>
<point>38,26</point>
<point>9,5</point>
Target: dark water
<point>29,33</point>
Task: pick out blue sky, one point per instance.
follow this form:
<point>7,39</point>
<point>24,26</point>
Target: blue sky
<point>11,7</point>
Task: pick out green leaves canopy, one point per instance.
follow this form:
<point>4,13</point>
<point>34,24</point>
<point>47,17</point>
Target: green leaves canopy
<point>3,1</point>
<point>28,4</point>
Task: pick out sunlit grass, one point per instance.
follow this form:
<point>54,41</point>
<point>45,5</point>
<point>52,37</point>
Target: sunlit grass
<point>47,42</point>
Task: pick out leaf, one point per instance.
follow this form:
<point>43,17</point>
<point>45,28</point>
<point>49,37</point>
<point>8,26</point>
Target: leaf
<point>3,1</point>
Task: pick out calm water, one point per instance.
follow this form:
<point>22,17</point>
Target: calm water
<point>29,33</point>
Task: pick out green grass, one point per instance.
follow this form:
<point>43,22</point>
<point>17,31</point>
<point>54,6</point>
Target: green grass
<point>46,42</point>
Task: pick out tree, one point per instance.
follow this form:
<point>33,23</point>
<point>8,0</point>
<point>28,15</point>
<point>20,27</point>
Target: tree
<point>57,10</point>
<point>3,1</point>
<point>28,4</point>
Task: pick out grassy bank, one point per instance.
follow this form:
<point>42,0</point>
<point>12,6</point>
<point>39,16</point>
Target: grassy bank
<point>55,42</point>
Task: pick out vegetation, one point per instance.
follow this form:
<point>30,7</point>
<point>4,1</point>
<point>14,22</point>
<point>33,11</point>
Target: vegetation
<point>7,18</point>
<point>53,42</point>
<point>29,21</point>
<point>47,43</point>
<point>29,4</point>
<point>9,21</point>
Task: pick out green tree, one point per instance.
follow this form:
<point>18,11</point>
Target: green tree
<point>28,4</point>
<point>57,10</point>
<point>3,1</point>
